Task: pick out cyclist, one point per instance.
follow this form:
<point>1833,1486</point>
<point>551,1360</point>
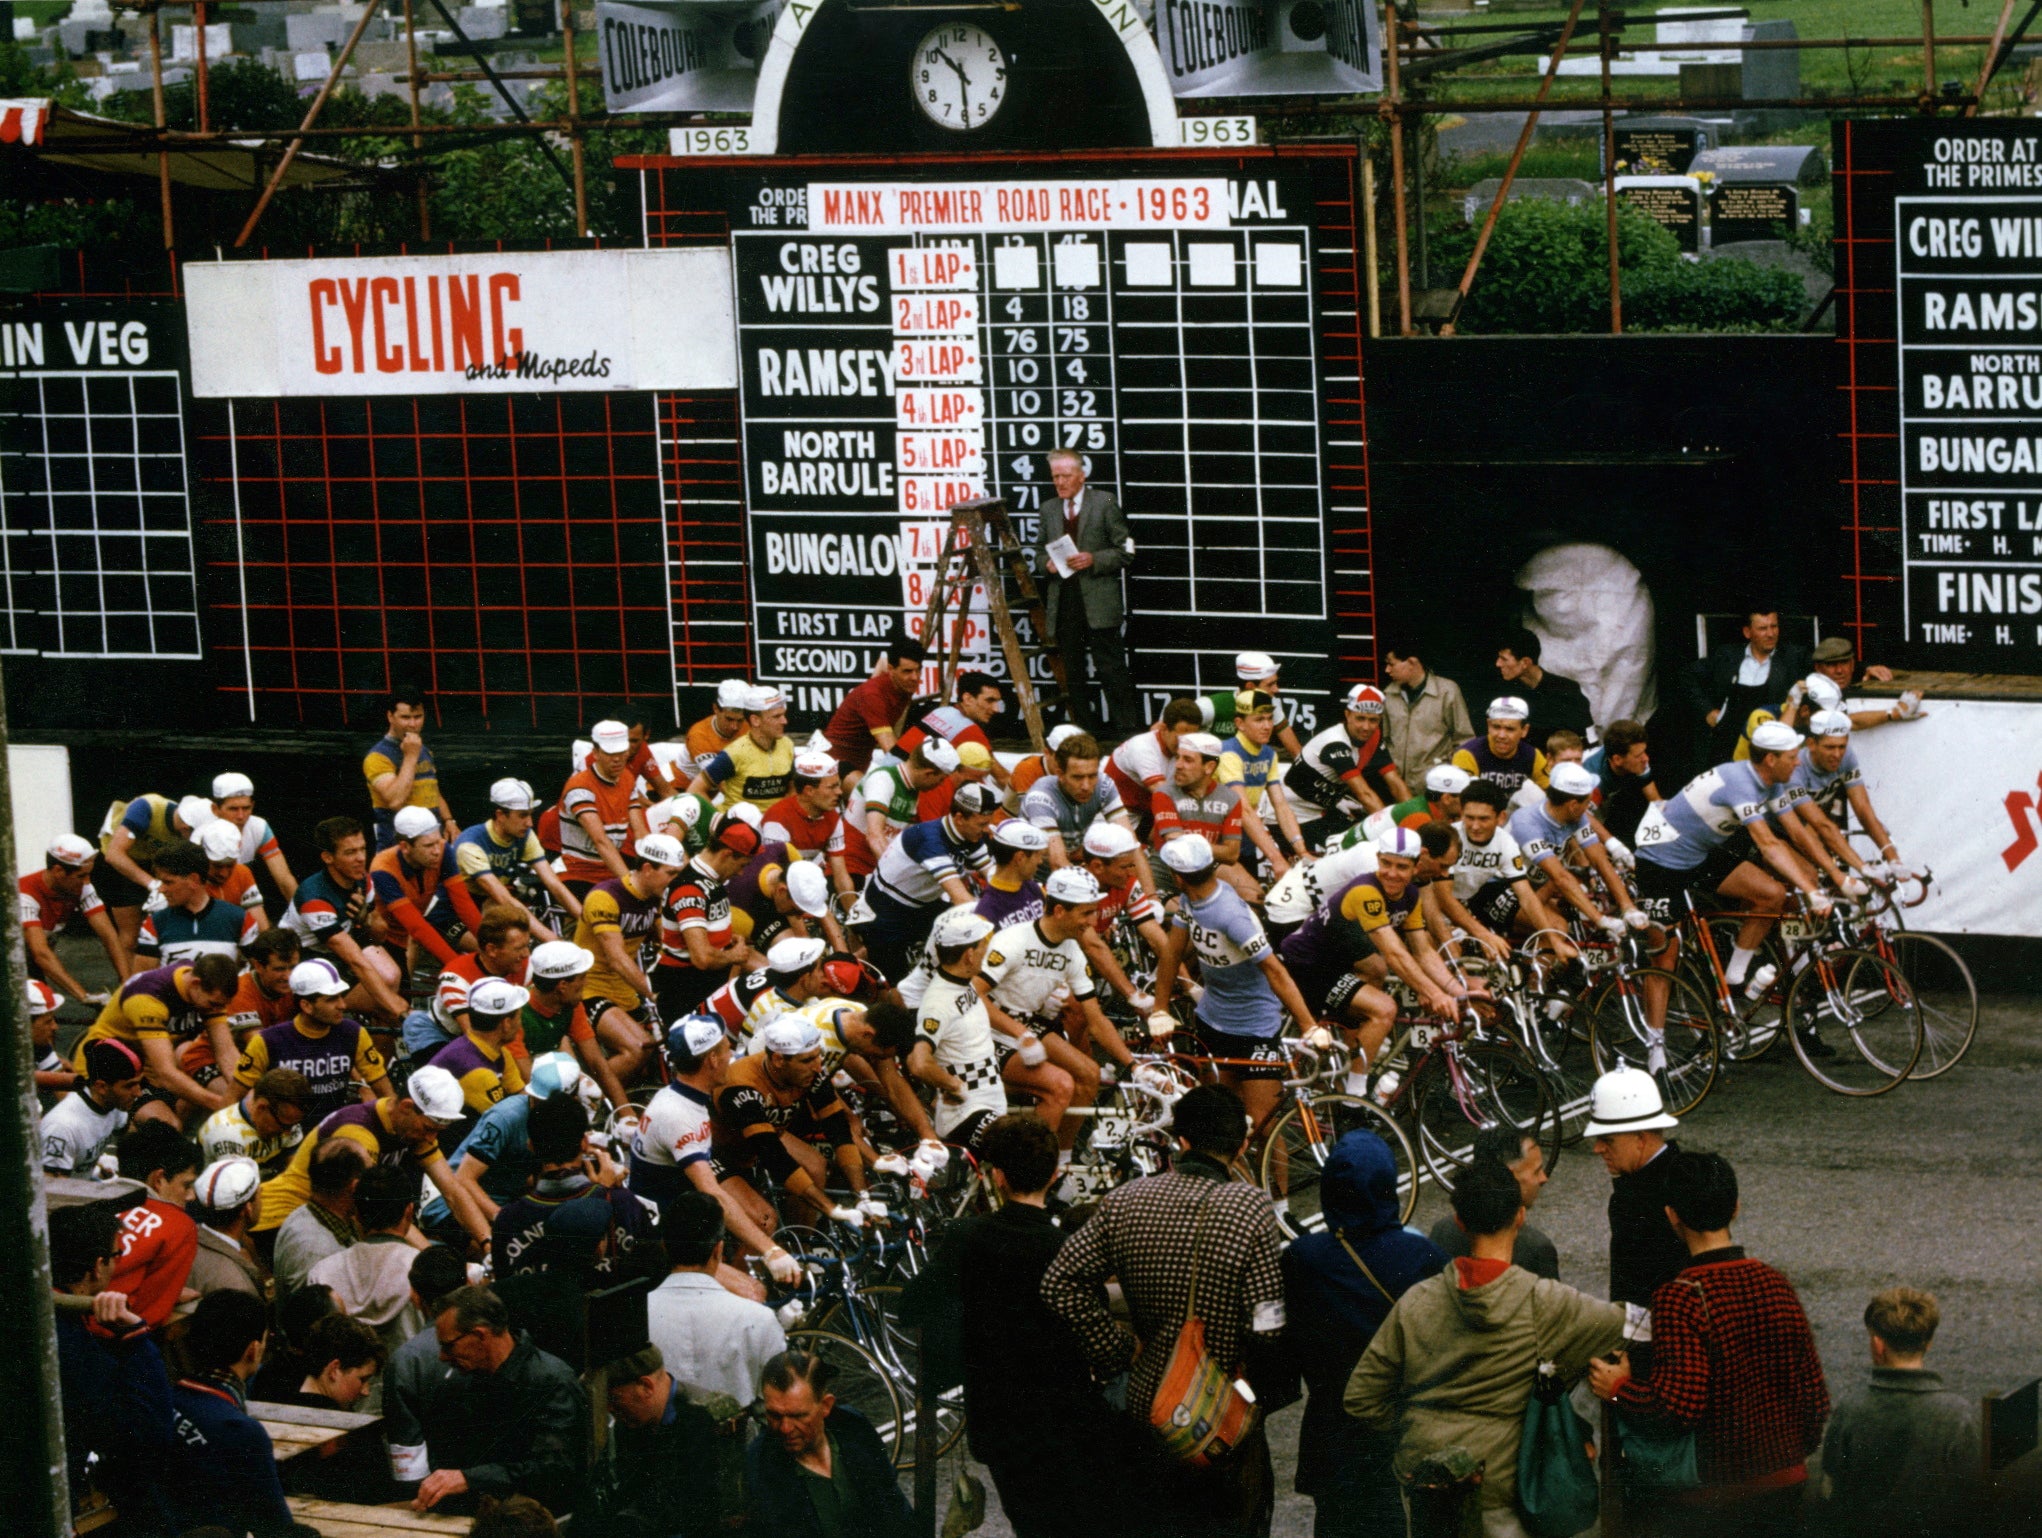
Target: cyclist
<point>1012,894</point>
<point>602,812</point>
<point>1544,831</point>
<point>807,821</point>
<point>617,918</point>
<point>776,894</point>
<point>1194,801</point>
<point>688,817</point>
<point>1622,765</point>
<point>1247,989</point>
<point>83,1125</point>
<point>1345,772</point>
<point>770,1101</point>
<point>263,997</point>
<point>479,1058</point>
<point>756,767</point>
<point>1310,885</point>
<point>155,1013</point>
<point>53,1076</point>
<point>1828,785</point>
<point>1259,674</point>
<point>265,1125</point>
<point>1560,747</point>
<point>234,804</point>
<point>796,972</point>
<point>1501,755</point>
<point>503,948</point>
<point>226,877</point>
<point>1065,805</point>
<point>697,943</point>
<point>1837,660</point>
<point>1141,764</point>
<point>1491,880</point>
<point>55,895</point>
<point>929,867</point>
<point>1032,767</point>
<point>1248,763</point>
<point>670,1153</point>
<point>955,1052</point>
<point>978,701</point>
<point>1109,856</point>
<point>1377,928</point>
<point>332,1051</point>
<point>134,831</point>
<point>400,771</point>
<point>868,1043</point>
<point>494,1163</point>
<point>871,712</point>
<point>1038,989</point>
<point>489,857</point>
<point>721,727</point>
<point>183,919</point>
<point>1441,802</point>
<point>554,1019</point>
<point>405,879</point>
<point>888,801</point>
<point>1815,692</point>
<point>1687,843</point>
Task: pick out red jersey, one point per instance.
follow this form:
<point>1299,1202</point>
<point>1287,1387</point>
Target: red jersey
<point>875,705</point>
<point>239,888</point>
<point>1128,898</point>
<point>810,837</point>
<point>45,908</point>
<point>157,1246</point>
<point>947,722</point>
<point>612,801</point>
<point>1216,813</point>
<point>253,1010</point>
<point>696,900</point>
<point>406,894</point>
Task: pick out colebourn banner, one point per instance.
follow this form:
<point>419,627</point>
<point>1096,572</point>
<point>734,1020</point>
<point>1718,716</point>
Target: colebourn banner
<point>478,324</point>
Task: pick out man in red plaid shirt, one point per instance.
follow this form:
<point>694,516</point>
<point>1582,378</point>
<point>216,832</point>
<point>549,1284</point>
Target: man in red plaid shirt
<point>1733,1359</point>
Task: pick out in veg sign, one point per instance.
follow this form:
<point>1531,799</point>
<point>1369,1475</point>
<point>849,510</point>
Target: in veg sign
<point>493,323</point>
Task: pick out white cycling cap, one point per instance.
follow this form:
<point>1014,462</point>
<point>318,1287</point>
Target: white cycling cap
<point>1572,780</point>
<point>611,736</point>
<point>1775,737</point>
<point>732,693</point>
<point>1829,723</point>
<point>1188,853</point>
<point>227,786</point>
<point>1254,667</point>
<point>1509,707</point>
<point>1108,840</point>
<point>1073,884</point>
<point>1447,779</point>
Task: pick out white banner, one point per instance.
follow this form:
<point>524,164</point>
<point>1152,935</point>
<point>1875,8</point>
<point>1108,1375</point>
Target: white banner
<point>1226,48</point>
<point>448,325</point>
<point>911,208</point>
<point>1961,792</point>
<point>682,58</point>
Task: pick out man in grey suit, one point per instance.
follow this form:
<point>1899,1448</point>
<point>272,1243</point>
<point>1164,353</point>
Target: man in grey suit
<point>1085,609</point>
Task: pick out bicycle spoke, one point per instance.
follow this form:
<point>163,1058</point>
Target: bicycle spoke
<point>1466,1089</point>
<point>1945,992</point>
<point>1856,1024</point>
<point>1690,1040</point>
<point>1295,1152</point>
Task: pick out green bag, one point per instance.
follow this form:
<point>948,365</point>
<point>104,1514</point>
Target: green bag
<point>1557,1495</point>
<point>1660,1458</point>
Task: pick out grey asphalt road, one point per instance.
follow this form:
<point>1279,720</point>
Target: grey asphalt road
<point>1934,1185</point>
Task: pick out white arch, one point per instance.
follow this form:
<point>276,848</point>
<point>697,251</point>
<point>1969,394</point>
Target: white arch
<point>1121,15</point>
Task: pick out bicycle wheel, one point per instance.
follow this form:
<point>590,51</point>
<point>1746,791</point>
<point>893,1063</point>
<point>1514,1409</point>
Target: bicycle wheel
<point>895,1345</point>
<point>1863,1010</point>
<point>1463,1090</point>
<point>864,1383</point>
<point>1620,1034</point>
<point>1755,1029</point>
<point>1295,1152</point>
<point>1554,1028</point>
<point>1944,990</point>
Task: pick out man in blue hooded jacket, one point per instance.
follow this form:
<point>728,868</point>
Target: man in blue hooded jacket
<point>1339,1284</point>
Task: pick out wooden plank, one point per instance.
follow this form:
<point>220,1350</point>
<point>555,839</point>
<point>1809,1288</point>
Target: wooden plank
<point>309,1415</point>
<point>373,1519</point>
<point>282,1432</point>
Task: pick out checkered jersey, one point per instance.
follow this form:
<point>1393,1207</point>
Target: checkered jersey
<point>951,1018</point>
<point>1142,1235</point>
<point>1732,1357</point>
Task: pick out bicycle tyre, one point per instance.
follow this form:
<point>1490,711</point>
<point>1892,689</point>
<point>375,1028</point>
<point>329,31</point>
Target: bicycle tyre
<point>1948,997</point>
<point>1692,1035</point>
<point>1291,1158</point>
<point>900,1350</point>
<point>1557,1037</point>
<point>1874,1019</point>
<point>864,1383</point>
<point>1499,1086</point>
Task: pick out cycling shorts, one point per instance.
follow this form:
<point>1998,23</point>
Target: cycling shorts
<point>599,1009</point>
<point>1666,895</point>
<point>1265,1054</point>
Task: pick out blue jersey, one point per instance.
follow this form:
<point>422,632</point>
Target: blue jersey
<point>915,865</point>
<point>498,1140</point>
<point>1829,791</point>
<point>177,936</point>
<point>1540,836</point>
<point>323,908</point>
<point>1230,945</point>
<point>1681,832</point>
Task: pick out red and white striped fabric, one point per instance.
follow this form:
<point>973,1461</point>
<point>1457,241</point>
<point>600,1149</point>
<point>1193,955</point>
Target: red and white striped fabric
<point>22,118</point>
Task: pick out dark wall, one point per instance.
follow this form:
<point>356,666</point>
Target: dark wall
<point>1710,461</point>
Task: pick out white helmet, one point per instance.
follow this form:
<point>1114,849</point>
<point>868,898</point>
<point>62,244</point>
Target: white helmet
<point>1626,1100</point>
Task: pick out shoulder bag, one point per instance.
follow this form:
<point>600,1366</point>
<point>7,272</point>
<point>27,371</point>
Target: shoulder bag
<point>1660,1457</point>
<point>1557,1495</point>
<point>1200,1410</point>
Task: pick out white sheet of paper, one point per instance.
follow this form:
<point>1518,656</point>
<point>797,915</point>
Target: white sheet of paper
<point>1061,549</point>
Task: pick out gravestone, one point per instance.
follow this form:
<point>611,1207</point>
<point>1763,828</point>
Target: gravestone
<point>1556,189</point>
<point>1751,211</point>
<point>1660,146</point>
<point>1755,188</point>
<point>1797,165</point>
<point>1675,203</point>
<point>1771,74</point>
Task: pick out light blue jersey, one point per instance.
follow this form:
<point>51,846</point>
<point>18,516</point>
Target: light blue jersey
<point>1541,837</point>
<point>1680,833</point>
<point>1230,945</point>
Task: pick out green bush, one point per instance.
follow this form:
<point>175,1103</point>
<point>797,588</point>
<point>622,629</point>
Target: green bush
<point>1547,270</point>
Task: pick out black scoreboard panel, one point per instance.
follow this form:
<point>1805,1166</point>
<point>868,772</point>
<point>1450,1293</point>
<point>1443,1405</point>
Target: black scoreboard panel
<point>1940,303</point>
<point>915,333</point>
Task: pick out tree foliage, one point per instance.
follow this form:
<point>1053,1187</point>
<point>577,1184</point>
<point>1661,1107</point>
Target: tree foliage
<point>1547,270</point>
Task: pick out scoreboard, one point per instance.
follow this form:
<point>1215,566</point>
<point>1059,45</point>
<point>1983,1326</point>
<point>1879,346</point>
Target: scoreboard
<point>908,340</point>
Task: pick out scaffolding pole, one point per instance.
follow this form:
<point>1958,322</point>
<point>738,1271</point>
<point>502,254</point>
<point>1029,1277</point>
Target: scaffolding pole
<point>1609,173</point>
<point>276,177</point>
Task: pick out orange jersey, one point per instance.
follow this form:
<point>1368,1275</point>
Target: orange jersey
<point>612,801</point>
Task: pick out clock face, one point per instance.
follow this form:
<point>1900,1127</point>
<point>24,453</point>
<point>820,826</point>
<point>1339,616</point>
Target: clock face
<point>959,76</point>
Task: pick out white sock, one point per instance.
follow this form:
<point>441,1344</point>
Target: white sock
<point>1063,1158</point>
<point>1740,963</point>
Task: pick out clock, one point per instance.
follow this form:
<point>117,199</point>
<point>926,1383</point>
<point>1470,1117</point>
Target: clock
<point>958,76</point>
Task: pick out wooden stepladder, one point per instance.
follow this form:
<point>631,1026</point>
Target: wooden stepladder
<point>981,549</point>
